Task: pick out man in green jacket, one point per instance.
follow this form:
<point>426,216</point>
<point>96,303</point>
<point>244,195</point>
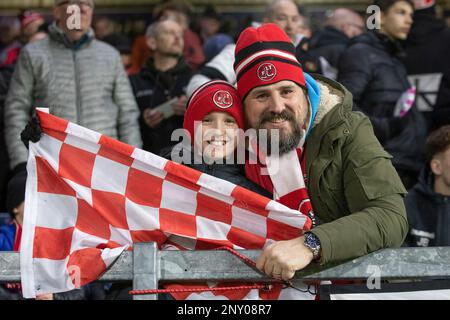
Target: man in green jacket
<point>340,176</point>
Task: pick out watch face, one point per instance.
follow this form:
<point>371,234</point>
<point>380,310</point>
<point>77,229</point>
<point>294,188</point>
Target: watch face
<point>312,241</point>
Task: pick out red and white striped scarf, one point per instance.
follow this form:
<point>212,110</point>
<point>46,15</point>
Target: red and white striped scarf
<point>284,176</point>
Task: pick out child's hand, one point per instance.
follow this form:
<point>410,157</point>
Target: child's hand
<point>179,107</point>
<point>153,118</point>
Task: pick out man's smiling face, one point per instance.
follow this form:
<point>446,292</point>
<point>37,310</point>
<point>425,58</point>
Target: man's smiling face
<point>281,106</point>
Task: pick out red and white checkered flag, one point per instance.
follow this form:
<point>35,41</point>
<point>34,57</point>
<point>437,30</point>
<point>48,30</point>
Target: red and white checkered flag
<point>90,197</point>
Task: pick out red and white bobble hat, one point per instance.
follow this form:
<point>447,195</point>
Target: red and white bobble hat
<point>263,56</point>
<point>213,96</point>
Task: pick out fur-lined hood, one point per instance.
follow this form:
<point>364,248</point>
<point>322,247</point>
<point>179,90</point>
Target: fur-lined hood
<point>330,97</point>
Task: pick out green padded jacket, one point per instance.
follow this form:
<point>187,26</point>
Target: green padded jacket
<point>355,191</point>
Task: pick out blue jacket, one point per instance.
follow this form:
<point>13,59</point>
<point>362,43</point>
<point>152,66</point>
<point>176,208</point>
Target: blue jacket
<point>7,235</point>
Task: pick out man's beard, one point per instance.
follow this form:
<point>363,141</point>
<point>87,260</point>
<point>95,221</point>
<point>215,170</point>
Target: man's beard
<point>286,141</point>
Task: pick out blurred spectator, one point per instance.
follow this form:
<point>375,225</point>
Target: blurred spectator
<point>428,52</point>
<point>6,72</point>
<point>371,70</point>
<point>303,33</point>
<point>103,27</point>
<point>123,44</point>
<point>9,40</point>
<point>219,68</point>
<point>213,40</point>
<point>326,47</point>
<point>140,52</point>
<point>5,79</point>
<point>30,22</point>
<point>40,34</point>
<point>10,239</point>
<point>209,23</point>
<point>428,203</point>
<point>181,12</point>
<point>304,27</point>
<point>164,77</point>
<point>32,26</point>
<point>284,13</point>
<point>11,231</point>
<point>215,44</point>
<point>78,77</point>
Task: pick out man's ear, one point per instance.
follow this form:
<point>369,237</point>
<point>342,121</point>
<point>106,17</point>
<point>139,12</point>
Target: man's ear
<point>151,43</point>
<point>436,167</point>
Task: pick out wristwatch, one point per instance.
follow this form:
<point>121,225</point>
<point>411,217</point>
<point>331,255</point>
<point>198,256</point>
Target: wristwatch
<point>312,242</point>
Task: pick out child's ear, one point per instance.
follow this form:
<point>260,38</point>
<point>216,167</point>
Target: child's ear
<point>436,167</point>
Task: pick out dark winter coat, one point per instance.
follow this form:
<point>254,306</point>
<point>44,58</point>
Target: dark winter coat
<point>371,70</point>
<point>428,214</point>
<point>428,44</point>
<point>153,87</point>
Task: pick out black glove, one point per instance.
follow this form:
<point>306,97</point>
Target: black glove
<point>32,132</point>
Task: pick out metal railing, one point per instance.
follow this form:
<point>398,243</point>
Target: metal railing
<point>147,267</point>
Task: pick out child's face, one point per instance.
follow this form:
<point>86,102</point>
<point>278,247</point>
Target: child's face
<point>219,135</point>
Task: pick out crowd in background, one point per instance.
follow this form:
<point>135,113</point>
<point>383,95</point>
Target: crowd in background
<point>112,83</point>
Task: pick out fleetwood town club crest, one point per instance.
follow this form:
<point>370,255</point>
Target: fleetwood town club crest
<point>223,99</point>
<point>266,71</point>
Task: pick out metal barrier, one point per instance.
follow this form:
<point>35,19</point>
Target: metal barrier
<point>146,267</point>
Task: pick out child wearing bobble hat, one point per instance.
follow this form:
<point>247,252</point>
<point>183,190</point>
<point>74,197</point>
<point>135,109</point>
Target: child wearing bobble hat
<point>213,118</point>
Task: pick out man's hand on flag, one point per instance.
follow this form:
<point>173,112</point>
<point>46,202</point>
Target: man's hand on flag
<point>282,259</point>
